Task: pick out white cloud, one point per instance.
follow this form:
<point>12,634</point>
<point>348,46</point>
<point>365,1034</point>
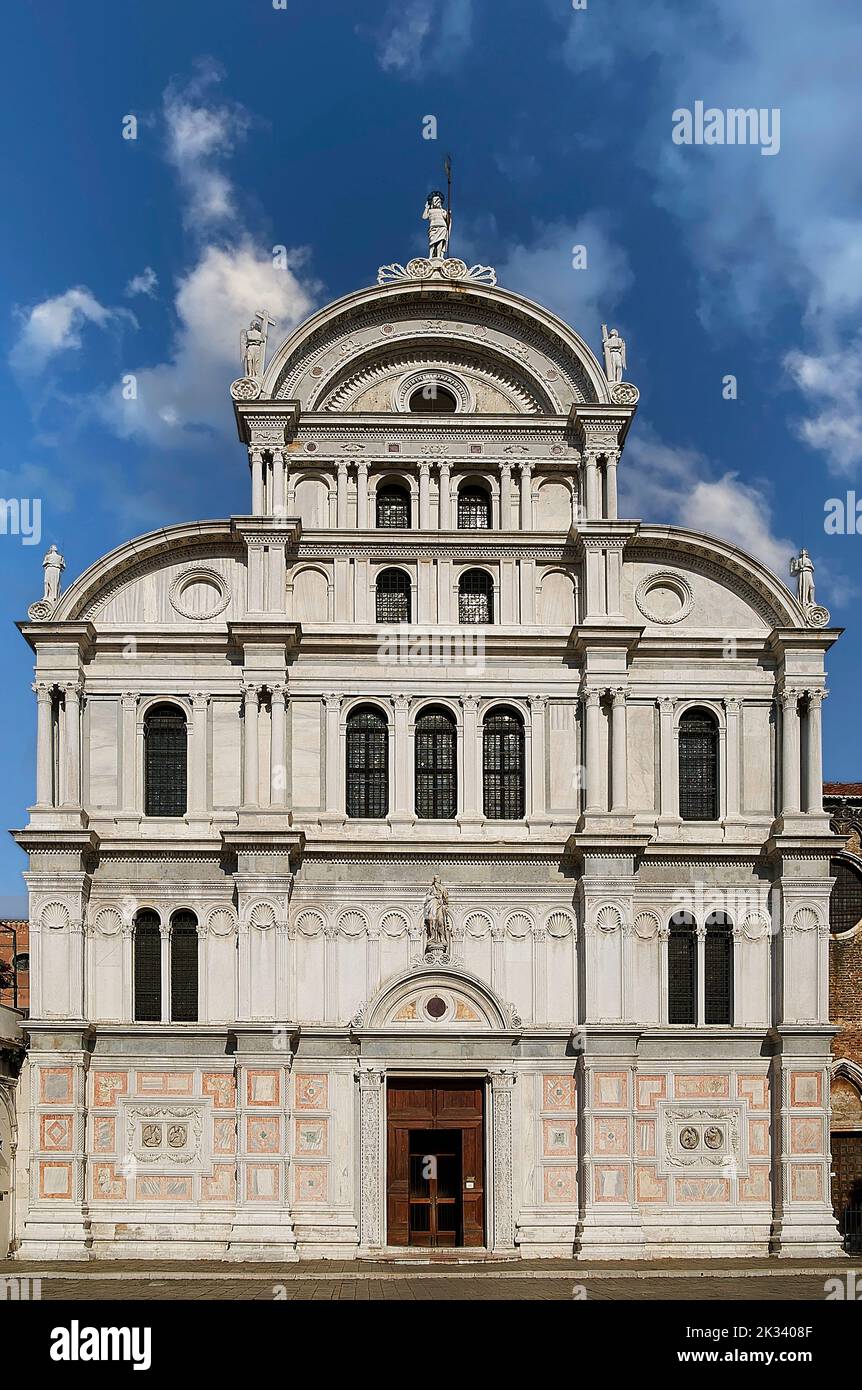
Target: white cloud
<point>144,283</point>
<point>679,485</point>
<point>215,299</point>
<point>200,134</point>
<point>831,383</point>
<point>758,229</point>
<point>542,269</point>
<point>424,35</point>
<point>55,325</point>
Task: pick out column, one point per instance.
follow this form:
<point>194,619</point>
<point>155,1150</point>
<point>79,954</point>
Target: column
<point>402,809</point>
<point>341,505</point>
<point>445,520</point>
<point>72,740</point>
<point>361,496</point>
<point>198,747</point>
<point>700,933</point>
<point>505,497</point>
<point>732,716</point>
<point>278,500</point>
<point>256,464</point>
<point>472,763</point>
<point>278,763</point>
<point>790,798</point>
<point>611,485</point>
<point>332,704</point>
<point>250,777</point>
<point>44,761</point>
<point>814,797</point>
<point>424,495</point>
<point>592,488</point>
<point>370,1134</point>
<point>593,729</point>
<point>619,751</point>
<point>129,702</point>
<point>526,497</point>
<point>667,783</point>
<point>503,1208</point>
<point>613,553</point>
<point>538,705</point>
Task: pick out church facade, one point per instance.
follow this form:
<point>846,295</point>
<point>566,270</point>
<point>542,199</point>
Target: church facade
<point>427,856</point>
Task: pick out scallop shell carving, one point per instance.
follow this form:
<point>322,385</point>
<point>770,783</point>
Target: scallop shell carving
<point>310,923</point>
<point>646,925</point>
<point>352,923</point>
<point>109,921</point>
<point>609,918</point>
<point>518,925</point>
<point>559,924</point>
<point>756,925</point>
<point>55,916</point>
<point>478,924</point>
<point>395,924</point>
<point>805,919</point>
<point>262,915</point>
<point>221,921</point>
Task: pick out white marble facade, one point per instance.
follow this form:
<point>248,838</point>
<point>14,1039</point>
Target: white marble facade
<point>258,1131</point>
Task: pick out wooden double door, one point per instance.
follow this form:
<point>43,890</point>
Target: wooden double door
<point>435,1157</point>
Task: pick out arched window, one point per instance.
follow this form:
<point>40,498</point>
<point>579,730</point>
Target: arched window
<point>718,969</point>
<point>393,596</point>
<point>698,765</point>
<point>148,967</point>
<point>435,755</point>
<point>393,507</point>
<point>474,509</point>
<point>475,597</point>
<point>367,763</point>
<point>433,399</point>
<point>845,900</point>
<point>682,970</point>
<point>184,967</point>
<point>503,765</point>
<point>165,758</point>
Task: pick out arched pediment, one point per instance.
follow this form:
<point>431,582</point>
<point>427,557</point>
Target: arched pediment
<point>440,999</point>
<point>510,346</point>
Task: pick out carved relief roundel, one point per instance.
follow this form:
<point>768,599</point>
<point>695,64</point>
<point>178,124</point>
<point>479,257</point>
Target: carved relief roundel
<point>664,597</point>
<point>199,594</point>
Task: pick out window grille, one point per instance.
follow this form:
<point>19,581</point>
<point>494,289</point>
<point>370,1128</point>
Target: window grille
<point>367,764</point>
<point>718,969</point>
<point>503,765</point>
<point>845,900</point>
<point>475,597</point>
<point>393,508</point>
<point>165,761</point>
<point>393,597</point>
<point>184,967</point>
<point>682,970</point>
<point>698,766</point>
<point>436,776</point>
<point>148,968</point>
<point>474,509</point>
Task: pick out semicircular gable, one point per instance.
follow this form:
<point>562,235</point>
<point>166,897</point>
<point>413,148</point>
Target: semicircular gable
<point>505,331</point>
<point>718,583</point>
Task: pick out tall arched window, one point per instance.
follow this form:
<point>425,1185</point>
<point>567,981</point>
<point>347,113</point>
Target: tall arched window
<point>474,509</point>
<point>435,757</point>
<point>845,900</point>
<point>475,597</point>
<point>503,765</point>
<point>367,763</point>
<point>184,967</point>
<point>165,759</point>
<point>718,969</point>
<point>147,952</point>
<point>393,596</point>
<point>698,765</point>
<point>393,507</point>
<point>682,969</point>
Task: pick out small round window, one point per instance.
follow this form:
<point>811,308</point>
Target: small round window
<point>433,399</point>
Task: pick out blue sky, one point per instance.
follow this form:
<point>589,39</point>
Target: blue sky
<point>303,127</point>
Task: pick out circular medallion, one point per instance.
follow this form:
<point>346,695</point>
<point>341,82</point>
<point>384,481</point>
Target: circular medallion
<point>664,597</point>
<point>688,1138</point>
<point>199,594</point>
<point>435,1007</point>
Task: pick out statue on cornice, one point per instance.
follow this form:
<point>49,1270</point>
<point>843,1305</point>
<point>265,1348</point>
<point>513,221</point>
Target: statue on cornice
<point>439,225</point>
<point>437,919</point>
<point>615,354</point>
<point>53,565</point>
<point>253,345</point>
<point>802,566</point>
